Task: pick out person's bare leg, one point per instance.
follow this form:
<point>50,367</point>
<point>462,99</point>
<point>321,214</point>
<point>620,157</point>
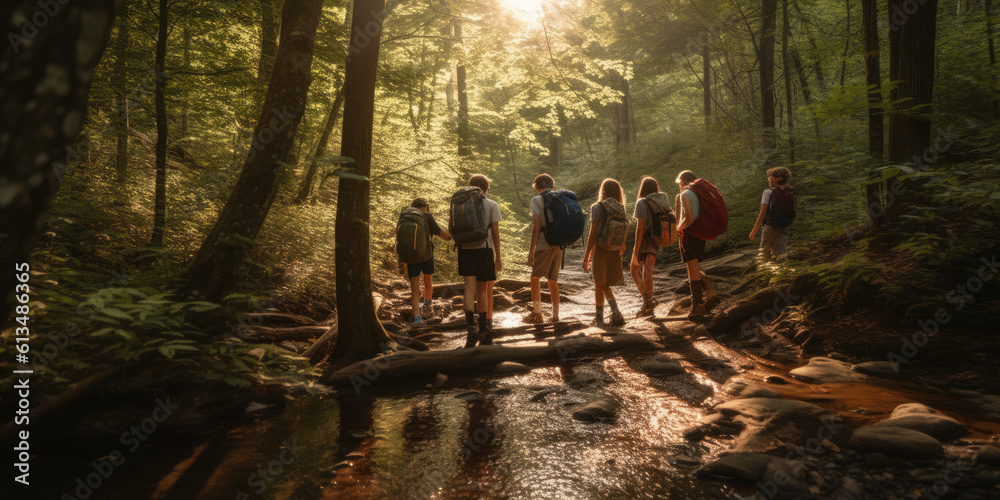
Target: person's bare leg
<point>536,295</point>
<point>470,293</point>
<point>635,269</point>
<point>607,293</point>
<point>554,294</point>
<point>693,269</point>
<point>428,288</point>
<point>599,295</point>
<point>481,297</point>
<point>647,275</point>
<point>415,295</point>
<point>489,299</point>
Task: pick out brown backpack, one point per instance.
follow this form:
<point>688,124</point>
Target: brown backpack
<point>663,230</point>
<point>615,228</point>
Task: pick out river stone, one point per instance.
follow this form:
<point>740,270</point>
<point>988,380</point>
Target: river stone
<point>772,475</point>
<point>991,404</point>
<point>661,365</point>
<point>763,408</point>
<point>913,409</point>
<point>508,367</point>
<point>825,370</point>
<point>470,396</point>
<point>989,455</point>
<point>774,379</point>
<point>877,368</point>
<point>601,410</point>
<point>742,389</point>
<point>897,441</point>
<point>584,375</point>
<point>937,426</point>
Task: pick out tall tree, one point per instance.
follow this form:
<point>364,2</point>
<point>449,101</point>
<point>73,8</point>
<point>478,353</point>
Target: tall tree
<point>769,11</point>
<point>988,7</point>
<point>315,175</point>
<point>707,82</point>
<point>360,333</point>
<point>787,72</point>
<point>624,123</point>
<point>911,62</point>
<point>48,77</point>
<point>269,15</point>
<point>213,272</point>
<point>869,22</point>
<point>464,133</point>
<point>121,84</point>
<point>159,97</point>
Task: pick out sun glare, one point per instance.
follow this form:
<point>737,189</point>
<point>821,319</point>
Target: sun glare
<point>525,10</point>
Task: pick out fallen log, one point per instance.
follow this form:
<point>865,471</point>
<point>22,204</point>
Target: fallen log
<point>511,285</point>
<point>539,328</point>
<point>409,364</point>
<point>316,351</point>
<point>279,319</point>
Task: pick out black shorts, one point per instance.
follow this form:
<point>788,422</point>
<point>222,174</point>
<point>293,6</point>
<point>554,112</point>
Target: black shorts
<point>477,262</point>
<point>691,248</point>
<point>426,267</point>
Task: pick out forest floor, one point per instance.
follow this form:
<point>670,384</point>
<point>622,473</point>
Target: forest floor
<point>789,408</point>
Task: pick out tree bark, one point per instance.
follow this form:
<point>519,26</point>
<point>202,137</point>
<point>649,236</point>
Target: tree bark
<point>121,111</point>
<point>869,23</point>
<point>315,175</point>
<point>847,42</point>
<point>360,333</point>
<point>464,133</point>
<point>707,83</point>
<point>988,5</point>
<point>159,96</point>
<point>213,272</point>
<point>624,130</point>
<point>787,71</point>
<point>911,61</point>
<point>269,25</point>
<point>769,11</point>
<point>36,135</point>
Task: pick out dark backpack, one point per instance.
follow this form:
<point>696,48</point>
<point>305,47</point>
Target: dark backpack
<point>614,230</point>
<point>466,219</point>
<point>663,229</point>
<point>781,208</point>
<point>564,219</point>
<point>712,216</point>
<point>413,237</point>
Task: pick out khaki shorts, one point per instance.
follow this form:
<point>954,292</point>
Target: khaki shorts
<point>773,241</point>
<point>547,263</point>
<point>608,268</point>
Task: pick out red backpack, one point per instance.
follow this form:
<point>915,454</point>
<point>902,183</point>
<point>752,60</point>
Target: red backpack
<point>712,217</point>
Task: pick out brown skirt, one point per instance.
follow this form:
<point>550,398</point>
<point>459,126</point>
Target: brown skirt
<point>608,268</point>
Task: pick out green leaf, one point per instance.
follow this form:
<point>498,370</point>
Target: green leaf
<point>114,312</point>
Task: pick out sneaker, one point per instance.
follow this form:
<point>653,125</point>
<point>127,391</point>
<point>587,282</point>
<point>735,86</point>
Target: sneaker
<point>617,319</point>
<point>534,318</point>
<point>417,320</point>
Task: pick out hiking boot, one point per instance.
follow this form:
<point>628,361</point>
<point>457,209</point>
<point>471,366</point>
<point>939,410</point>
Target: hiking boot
<point>648,306</point>
<point>472,337</point>
<point>617,319</point>
<point>534,318</point>
<point>697,301</point>
<point>486,327</point>
<point>708,287</point>
<point>426,308</point>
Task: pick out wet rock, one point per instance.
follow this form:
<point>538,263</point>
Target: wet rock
<point>849,489</point>
<point>913,409</point>
<point>661,365</point>
<point>825,370</point>
<point>764,408</point>
<point>876,460</point>
<point>545,391</point>
<point>896,441</point>
<point>937,426</point>
<point>774,379</point>
<point>684,461</point>
<point>257,353</point>
<point>470,396</point>
<point>604,410</point>
<point>715,424</point>
<point>988,455</point>
<point>772,475</point>
<point>877,368</point>
<point>742,389</point>
<point>838,356</point>
<point>584,375</point>
<point>509,367</point>
<point>991,404</point>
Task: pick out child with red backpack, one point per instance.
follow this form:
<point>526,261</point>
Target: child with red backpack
<point>777,211</point>
<point>701,216</point>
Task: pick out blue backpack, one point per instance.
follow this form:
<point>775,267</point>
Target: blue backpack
<point>564,220</point>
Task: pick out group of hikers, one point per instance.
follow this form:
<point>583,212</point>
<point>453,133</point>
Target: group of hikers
<point>697,214</point>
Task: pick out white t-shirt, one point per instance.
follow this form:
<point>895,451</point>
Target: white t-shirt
<point>492,213</point>
<point>538,208</point>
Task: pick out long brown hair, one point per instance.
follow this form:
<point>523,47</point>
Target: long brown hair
<point>647,186</point>
<point>610,188</point>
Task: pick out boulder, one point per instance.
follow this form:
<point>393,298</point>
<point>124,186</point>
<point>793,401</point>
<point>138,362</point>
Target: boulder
<point>825,370</point>
<point>764,408</point>
<point>937,426</point>
<point>661,365</point>
<point>584,375</point>
<point>604,410</point>
<point>913,408</point>
<point>877,368</point>
<point>897,442</point>
<point>776,477</point>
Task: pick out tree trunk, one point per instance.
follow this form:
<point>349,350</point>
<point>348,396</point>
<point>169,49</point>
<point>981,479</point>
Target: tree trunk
<point>847,42</point>
<point>121,111</point>
<point>186,35</point>
<point>911,62</point>
<point>769,11</point>
<point>787,70</point>
<point>159,95</point>
<point>214,269</point>
<point>314,177</point>
<point>817,66</point>
<point>464,135</point>
<point>988,4</point>
<point>36,135</point>
<point>706,82</point>
<point>269,12</point>
<point>624,130</point>
<point>360,333</point>
<point>869,23</point>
